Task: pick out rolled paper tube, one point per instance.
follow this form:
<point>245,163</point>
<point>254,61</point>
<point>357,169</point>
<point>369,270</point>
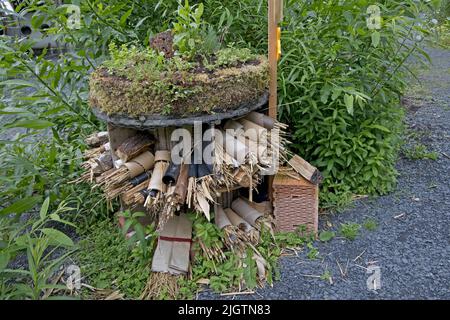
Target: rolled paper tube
<point>254,131</point>
<point>139,179</point>
<point>235,148</point>
<point>182,183</point>
<point>261,119</point>
<point>162,155</point>
<point>236,127</point>
<point>203,170</point>
<point>221,218</point>
<point>143,162</point>
<point>171,175</point>
<point>237,221</point>
<point>156,181</point>
<point>193,170</point>
<point>245,211</point>
<point>258,149</point>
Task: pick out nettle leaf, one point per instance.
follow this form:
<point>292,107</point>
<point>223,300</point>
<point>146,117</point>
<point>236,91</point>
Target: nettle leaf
<point>348,100</point>
<point>21,206</point>
<point>44,208</point>
<point>376,36</point>
<point>57,238</point>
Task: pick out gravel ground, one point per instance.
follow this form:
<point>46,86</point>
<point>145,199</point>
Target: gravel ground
<point>411,246</point>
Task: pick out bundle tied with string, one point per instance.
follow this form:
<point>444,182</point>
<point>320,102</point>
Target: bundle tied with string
<point>247,228</point>
<point>171,258</point>
<point>156,187</point>
<point>255,218</point>
<point>129,170</point>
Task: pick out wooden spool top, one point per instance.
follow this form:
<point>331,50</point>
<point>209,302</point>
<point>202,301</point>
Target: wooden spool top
<point>145,122</point>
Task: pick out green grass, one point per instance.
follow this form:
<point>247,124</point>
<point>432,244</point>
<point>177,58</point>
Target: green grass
<point>419,152</point>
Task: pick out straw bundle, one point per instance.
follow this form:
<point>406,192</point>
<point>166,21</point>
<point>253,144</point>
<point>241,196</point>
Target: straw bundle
<point>131,169</point>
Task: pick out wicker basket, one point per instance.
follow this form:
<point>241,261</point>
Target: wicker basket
<point>296,202</point>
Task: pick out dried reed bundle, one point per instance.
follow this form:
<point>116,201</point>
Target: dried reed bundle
<point>161,285</point>
<point>113,191</point>
<point>130,170</point>
<point>136,195</point>
<point>96,152</point>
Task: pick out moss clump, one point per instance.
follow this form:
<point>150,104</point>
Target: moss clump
<point>137,82</point>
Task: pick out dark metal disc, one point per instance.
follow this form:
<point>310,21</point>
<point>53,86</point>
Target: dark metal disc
<point>145,122</point>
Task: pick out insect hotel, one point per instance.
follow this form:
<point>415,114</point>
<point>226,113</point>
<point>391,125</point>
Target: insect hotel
<point>186,134</point>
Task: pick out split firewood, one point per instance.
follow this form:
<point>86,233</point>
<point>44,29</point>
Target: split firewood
<point>134,146</point>
<point>306,170</point>
<point>97,139</point>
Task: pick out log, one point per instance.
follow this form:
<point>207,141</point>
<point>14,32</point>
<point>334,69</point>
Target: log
<point>97,139</point>
<point>306,170</point>
<point>134,146</point>
<point>181,187</point>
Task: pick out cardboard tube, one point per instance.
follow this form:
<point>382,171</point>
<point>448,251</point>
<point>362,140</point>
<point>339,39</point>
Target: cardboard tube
<point>156,179</point>
<point>261,119</point>
<point>162,155</point>
<point>254,131</point>
<point>237,127</point>
<point>237,221</point>
<point>221,218</point>
<point>245,211</point>
<point>143,162</point>
<point>235,148</point>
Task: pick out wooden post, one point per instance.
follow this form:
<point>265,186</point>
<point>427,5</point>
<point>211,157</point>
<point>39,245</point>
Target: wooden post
<point>272,27</point>
<point>274,17</point>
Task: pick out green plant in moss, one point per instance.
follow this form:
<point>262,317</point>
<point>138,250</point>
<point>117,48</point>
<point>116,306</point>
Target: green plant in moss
<point>232,56</point>
<point>350,230</point>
